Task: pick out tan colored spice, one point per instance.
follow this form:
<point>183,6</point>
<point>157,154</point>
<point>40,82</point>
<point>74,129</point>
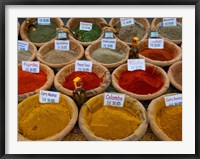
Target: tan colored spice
<point>23,56</point>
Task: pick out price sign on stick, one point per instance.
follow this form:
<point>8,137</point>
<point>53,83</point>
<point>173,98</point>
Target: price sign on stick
<point>49,97</point>
<point>23,45</point>
<point>169,21</point>
<point>136,64</point>
<point>85,26</point>
<point>44,21</point>
<point>31,66</point>
<point>114,99</point>
<point>173,100</point>
<point>62,45</point>
<point>126,21</point>
<point>82,65</point>
<point>108,43</point>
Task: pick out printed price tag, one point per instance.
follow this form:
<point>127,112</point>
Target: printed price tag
<point>169,21</point>
<point>173,100</point>
<point>136,64</point>
<point>114,99</point>
<point>126,21</point>
<point>85,26</point>
<point>31,66</point>
<point>44,21</point>
<point>62,44</point>
<point>108,43</point>
<point>49,97</point>
<point>23,45</point>
<point>108,34</point>
<point>84,66</point>
<point>62,35</point>
<point>155,43</point>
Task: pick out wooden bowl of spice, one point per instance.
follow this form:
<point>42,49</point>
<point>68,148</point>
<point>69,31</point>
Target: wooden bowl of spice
<point>165,121</point>
<point>31,83</point>
<point>160,57</point>
<point>171,33</point>
<point>110,58</point>
<point>125,123</point>
<point>140,84</point>
<point>86,37</point>
<point>94,82</point>
<point>126,33</point>
<point>46,121</point>
<point>175,75</point>
<point>39,34</point>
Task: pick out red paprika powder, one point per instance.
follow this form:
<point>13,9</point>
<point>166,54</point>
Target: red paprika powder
<point>140,82</point>
<point>90,80</point>
<point>29,82</point>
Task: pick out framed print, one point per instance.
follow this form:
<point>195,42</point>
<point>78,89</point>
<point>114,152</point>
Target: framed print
<point>110,79</point>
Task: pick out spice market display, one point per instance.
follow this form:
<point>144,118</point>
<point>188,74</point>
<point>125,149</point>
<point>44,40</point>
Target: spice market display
<point>99,79</point>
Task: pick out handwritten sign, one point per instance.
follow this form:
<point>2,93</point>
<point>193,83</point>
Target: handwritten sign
<point>62,45</point>
<point>155,43</point>
<point>136,64</point>
<point>85,26</point>
<point>114,99</point>
<point>108,43</point>
<point>173,100</point>
<point>31,66</point>
<point>49,97</point>
<point>23,45</point>
<point>169,21</point>
<point>44,21</point>
<point>82,65</point>
<point>126,21</point>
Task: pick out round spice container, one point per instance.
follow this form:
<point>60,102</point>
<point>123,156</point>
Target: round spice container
<point>109,58</point>
<point>94,82</point>
<point>29,55</point>
<point>126,33</point>
<point>31,83</point>
<point>120,123</point>
<point>142,85</point>
<point>46,121</point>
<point>160,57</point>
<point>86,37</point>
<point>175,75</point>
<point>42,33</point>
<point>171,33</point>
<point>165,121</point>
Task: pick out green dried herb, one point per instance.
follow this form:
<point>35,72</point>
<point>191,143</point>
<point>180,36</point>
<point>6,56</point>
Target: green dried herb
<point>171,32</point>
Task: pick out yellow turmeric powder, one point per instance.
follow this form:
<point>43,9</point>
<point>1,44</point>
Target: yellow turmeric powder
<point>114,122</point>
<point>38,121</point>
<point>169,119</point>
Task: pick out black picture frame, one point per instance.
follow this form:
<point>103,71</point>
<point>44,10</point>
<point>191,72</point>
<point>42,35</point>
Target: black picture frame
<point>4,3</point>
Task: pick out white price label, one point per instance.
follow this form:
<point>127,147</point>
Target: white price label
<point>108,43</point>
<point>49,97</point>
<point>114,99</point>
<point>85,26</point>
<point>136,64</point>
<point>126,21</point>
<point>31,66</point>
<point>155,43</point>
<point>173,100</point>
<point>62,35</point>
<point>44,21</point>
<point>169,21</point>
<point>108,34</point>
<point>84,66</point>
<point>23,45</point>
<point>62,45</point>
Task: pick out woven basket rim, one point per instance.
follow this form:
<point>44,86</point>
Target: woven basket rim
<point>18,28</point>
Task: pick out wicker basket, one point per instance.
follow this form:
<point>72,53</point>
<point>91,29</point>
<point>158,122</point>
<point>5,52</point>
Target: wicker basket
<point>24,32</point>
<point>142,21</point>
<point>99,70</point>
<point>18,28</point>
<point>156,71</point>
<point>46,86</point>
<point>59,136</point>
<point>174,71</point>
<point>98,101</point>
<point>169,46</point>
<point>158,21</point>
<point>72,23</point>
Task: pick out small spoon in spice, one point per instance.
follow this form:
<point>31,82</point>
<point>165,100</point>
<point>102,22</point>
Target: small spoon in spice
<point>31,27</point>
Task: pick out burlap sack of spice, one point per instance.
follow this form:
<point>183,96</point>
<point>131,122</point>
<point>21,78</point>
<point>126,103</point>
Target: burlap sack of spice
<point>46,86</point>
<point>24,26</point>
<point>72,23</point>
<point>98,69</point>
<point>157,71</point>
<point>158,21</point>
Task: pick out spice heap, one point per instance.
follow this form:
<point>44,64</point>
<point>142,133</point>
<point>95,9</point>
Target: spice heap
<point>90,80</point>
<point>171,32</point>
<point>169,119</point>
<point>29,82</point>
<point>108,56</point>
<point>140,82</point>
<point>38,121</point>
<point>23,56</point>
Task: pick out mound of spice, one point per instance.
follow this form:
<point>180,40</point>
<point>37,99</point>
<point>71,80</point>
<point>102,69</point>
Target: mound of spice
<point>171,32</point>
<point>88,36</point>
<point>118,123</point>
<point>107,56</point>
<point>43,33</point>
<point>38,121</point>
<point>90,80</point>
<point>23,56</point>
<point>158,54</point>
<point>140,82</point>
<point>169,119</point>
<point>29,82</point>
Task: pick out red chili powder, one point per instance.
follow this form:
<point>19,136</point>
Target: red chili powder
<point>140,82</point>
<point>90,80</point>
<point>29,82</point>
